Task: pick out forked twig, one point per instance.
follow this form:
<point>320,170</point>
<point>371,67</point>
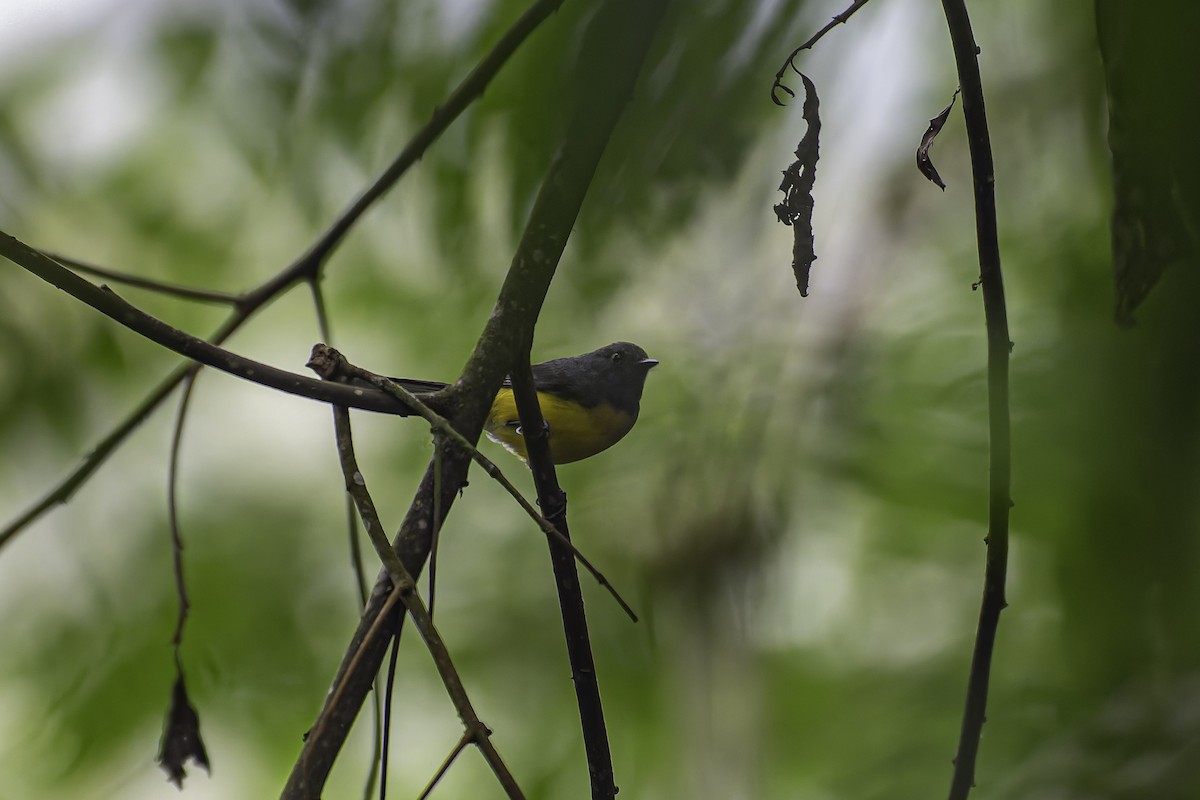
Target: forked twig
<point>405,590</point>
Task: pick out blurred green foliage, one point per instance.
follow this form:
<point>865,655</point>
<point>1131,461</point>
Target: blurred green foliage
<point>798,515</point>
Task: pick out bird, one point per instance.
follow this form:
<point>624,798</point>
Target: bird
<point>589,402</point>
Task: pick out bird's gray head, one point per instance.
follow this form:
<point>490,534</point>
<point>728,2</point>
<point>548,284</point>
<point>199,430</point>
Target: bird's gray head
<point>614,374</point>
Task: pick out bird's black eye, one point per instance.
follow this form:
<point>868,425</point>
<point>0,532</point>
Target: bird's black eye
<point>616,356</point>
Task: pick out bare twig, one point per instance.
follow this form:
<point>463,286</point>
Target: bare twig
<point>378,625</point>
<point>458,748</point>
<point>379,722</point>
<point>173,513</point>
<point>790,62</point>
<point>999,350</point>
<point>463,95</point>
<point>389,681</point>
<point>112,305</point>
<point>98,455</point>
<point>161,287</point>
<point>405,588</point>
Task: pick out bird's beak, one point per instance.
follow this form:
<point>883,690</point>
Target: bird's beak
<point>649,363</point>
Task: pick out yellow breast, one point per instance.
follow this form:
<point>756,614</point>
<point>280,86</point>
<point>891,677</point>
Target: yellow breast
<point>576,432</point>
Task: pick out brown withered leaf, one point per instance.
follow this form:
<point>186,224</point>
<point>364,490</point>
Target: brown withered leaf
<point>181,736</point>
<point>924,163</point>
<point>796,208</point>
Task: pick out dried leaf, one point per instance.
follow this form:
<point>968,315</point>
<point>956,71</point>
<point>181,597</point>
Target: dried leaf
<point>796,209</point>
<point>935,127</point>
<point>181,736</point>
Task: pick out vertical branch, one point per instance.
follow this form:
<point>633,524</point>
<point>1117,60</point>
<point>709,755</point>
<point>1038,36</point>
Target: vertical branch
<point>553,501</point>
<point>999,348</point>
<point>173,513</point>
<point>379,732</point>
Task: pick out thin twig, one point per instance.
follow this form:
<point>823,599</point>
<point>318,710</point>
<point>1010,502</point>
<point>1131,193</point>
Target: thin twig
<point>390,683</point>
<point>570,596</point>
<point>331,364</point>
<point>161,287</point>
<point>63,491</point>
<point>442,770</point>
<point>463,95</point>
<point>173,512</point>
<point>377,625</point>
<point>115,307</point>
<point>999,349</point>
<point>790,62</point>
<point>377,770</point>
<point>379,720</point>
<point>405,588</point>
<point>379,742</point>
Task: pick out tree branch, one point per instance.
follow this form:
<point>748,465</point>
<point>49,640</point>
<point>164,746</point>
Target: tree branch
<point>790,61</point>
<point>331,364</point>
<point>616,44</point>
<point>308,265</point>
<point>999,348</point>
<point>463,95</point>
<point>113,306</point>
<point>405,587</point>
<point>553,501</point>
<point>162,287</point>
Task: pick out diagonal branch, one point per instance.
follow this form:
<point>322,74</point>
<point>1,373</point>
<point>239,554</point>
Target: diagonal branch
<point>999,348</point>
<point>113,306</point>
<point>162,287</point>
<point>790,61</point>
<point>444,768</point>
<point>405,588</point>
<point>463,95</point>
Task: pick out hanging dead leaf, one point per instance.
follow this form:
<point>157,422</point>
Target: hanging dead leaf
<point>924,163</point>
<point>796,209</point>
<point>181,736</point>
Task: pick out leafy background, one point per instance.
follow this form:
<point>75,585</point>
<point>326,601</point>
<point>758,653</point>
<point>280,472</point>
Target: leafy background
<point>798,514</point>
